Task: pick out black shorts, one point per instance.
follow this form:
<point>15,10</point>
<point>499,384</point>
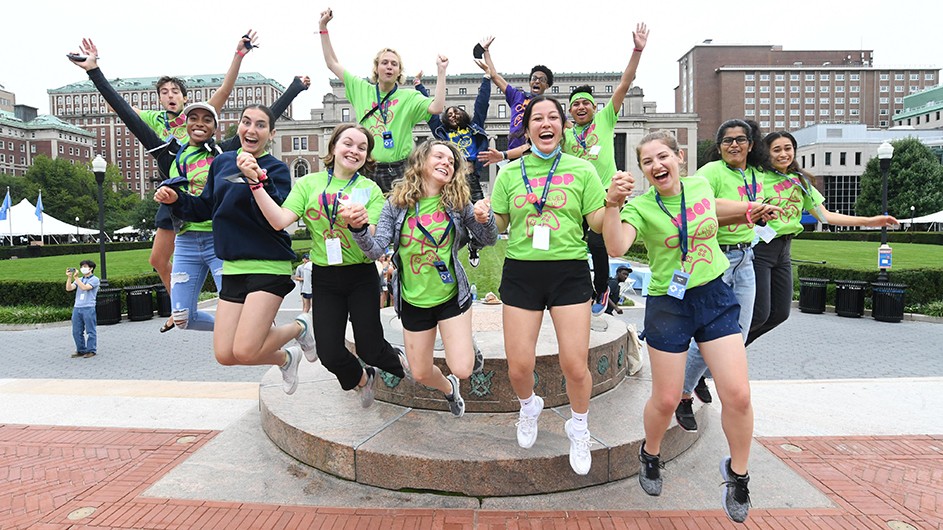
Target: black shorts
<point>708,312</point>
<point>426,318</point>
<point>386,173</point>
<point>537,285</point>
<point>237,286</point>
<point>164,219</point>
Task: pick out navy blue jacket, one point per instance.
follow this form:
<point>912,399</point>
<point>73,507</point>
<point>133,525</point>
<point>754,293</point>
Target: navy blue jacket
<point>477,126</point>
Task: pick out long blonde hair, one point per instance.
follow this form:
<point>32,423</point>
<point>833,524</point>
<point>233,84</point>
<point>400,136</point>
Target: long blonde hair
<point>407,191</point>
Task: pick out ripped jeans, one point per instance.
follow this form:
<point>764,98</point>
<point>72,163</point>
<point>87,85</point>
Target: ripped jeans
<point>194,257</point>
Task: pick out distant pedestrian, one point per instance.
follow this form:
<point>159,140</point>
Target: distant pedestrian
<point>303,277</point>
<point>615,291</point>
<point>84,317</point>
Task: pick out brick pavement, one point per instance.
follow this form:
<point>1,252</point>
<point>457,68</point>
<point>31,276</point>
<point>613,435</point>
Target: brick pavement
<point>51,476</point>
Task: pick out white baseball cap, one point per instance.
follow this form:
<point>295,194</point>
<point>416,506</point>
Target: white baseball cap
<point>205,106</point>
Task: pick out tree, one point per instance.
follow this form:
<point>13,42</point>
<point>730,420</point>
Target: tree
<point>706,152</point>
<point>915,179</point>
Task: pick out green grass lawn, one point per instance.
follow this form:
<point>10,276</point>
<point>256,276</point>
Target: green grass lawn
<point>864,255</point>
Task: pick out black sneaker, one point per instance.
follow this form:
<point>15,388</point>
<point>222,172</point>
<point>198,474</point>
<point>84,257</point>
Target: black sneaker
<point>702,391</point>
<point>473,258</point>
<point>736,493</point>
<point>649,475</point>
<point>685,415</point>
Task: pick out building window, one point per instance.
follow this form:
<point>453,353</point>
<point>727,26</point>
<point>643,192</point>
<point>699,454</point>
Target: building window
<point>780,112</point>
<point>839,89</point>
<point>764,112</point>
<point>764,89</point>
<point>812,158</point>
<point>839,112</point>
<point>61,149</point>
<point>749,112</point>
<point>794,88</point>
<point>841,158</point>
<point>301,169</point>
<point>883,112</point>
<point>749,101</point>
<point>853,112</point>
<point>748,77</point>
<point>928,77</point>
<point>855,77</point>
<point>764,124</point>
<point>793,124</point>
<point>858,158</point>
<point>823,77</point>
<point>749,89</point>
<point>295,143</point>
<point>764,101</point>
<point>883,123</point>
<point>855,89</point>
<point>914,89</point>
<point>839,101</point>
<point>554,89</point>
<point>780,101</point>
<point>810,101</point>
<point>780,90</point>
<point>810,77</point>
<point>793,112</point>
<point>793,101</point>
<point>809,89</point>
<point>810,112</point>
<point>780,77</point>
<point>898,100</point>
<point>608,89</point>
<point>502,110</point>
<point>823,101</point>
<point>828,158</point>
<point>823,89</point>
<point>345,114</point>
<point>823,112</point>
<point>883,101</point>
<point>462,91</point>
<point>793,77</point>
<point>854,101</point>
<point>764,77</point>
<point>884,77</point>
<point>839,77</point>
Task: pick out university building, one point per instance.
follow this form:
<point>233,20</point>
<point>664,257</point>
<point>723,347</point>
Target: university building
<point>24,135</point>
<point>922,110</point>
<point>792,89</point>
<point>81,105</point>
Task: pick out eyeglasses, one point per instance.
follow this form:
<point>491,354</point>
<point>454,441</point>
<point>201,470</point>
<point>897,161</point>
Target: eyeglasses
<point>741,140</point>
<point>538,79</point>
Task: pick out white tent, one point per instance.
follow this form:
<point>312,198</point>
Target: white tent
<point>126,231</point>
<point>932,218</point>
<point>21,221</point>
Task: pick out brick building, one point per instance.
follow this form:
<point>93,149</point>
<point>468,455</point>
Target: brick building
<point>81,104</point>
<point>24,134</point>
<point>789,90</point>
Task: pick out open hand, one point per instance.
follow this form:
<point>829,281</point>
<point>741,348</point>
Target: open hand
<point>640,36</point>
<point>247,42</point>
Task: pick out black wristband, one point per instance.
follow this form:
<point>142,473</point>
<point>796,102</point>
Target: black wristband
<point>358,230</point>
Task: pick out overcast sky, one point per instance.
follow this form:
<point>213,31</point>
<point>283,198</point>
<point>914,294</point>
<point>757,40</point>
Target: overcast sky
<point>135,39</point>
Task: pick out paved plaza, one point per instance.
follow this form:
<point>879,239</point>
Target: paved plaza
<point>153,433</point>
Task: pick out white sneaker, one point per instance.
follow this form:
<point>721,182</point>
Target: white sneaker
<point>306,338</point>
<point>527,426</point>
<point>581,459</point>
<point>290,372</point>
<point>456,403</point>
<point>404,362</point>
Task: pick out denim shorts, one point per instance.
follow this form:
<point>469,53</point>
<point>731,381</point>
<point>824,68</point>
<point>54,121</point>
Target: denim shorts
<point>237,286</point>
<point>708,312</point>
<point>539,285</point>
<point>426,318</point>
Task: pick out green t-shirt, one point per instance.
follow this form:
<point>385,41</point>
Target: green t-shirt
<point>256,266</point>
<point>305,201</point>
<point>785,192</point>
<point>705,261</point>
<point>729,184</point>
<point>163,125</point>
<point>195,161</point>
<point>404,109</point>
<point>575,191</point>
<point>421,285</point>
<point>598,146</point>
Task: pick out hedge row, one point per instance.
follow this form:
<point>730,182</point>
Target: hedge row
<point>924,286</point>
<point>61,250</point>
<point>874,236</point>
<point>26,292</point>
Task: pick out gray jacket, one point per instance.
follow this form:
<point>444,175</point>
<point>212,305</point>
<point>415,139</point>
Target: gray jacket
<point>390,227</point>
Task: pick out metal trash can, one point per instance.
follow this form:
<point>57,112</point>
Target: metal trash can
<point>887,301</point>
<point>163,300</point>
<point>108,306</point>
<point>812,295</point>
<point>140,302</point>
<point>849,297</point>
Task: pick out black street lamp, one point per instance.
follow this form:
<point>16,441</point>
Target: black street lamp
<point>912,208</point>
<point>76,229</point>
<point>98,167</point>
<point>885,153</point>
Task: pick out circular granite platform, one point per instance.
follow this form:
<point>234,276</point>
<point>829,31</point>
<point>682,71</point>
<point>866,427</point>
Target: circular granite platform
<point>422,446</point>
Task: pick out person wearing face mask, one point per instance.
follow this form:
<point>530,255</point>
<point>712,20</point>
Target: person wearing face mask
<point>84,316</point>
<point>387,112</point>
<point>592,139</point>
<point>257,259</point>
<point>543,200</point>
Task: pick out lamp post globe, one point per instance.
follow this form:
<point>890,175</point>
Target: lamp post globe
<point>99,165</point>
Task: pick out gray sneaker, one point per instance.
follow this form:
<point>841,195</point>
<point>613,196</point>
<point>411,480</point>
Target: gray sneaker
<point>736,493</point>
<point>368,391</point>
<point>306,338</point>
<point>479,358</point>
<point>456,403</point>
<point>404,362</point>
<point>649,475</point>
<point>290,371</point>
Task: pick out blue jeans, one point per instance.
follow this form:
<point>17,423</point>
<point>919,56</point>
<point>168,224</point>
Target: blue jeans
<point>740,277</point>
<point>84,332</point>
<point>194,257</point>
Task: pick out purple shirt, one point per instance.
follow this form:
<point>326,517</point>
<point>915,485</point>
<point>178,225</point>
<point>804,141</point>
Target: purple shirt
<point>518,101</point>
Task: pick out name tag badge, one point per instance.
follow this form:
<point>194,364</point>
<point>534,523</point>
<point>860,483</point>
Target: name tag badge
<point>81,297</point>
<point>594,150</point>
<point>766,233</point>
<point>333,246</point>
<point>541,237</point>
<point>679,284</point>
<point>444,273</point>
<point>387,140</point>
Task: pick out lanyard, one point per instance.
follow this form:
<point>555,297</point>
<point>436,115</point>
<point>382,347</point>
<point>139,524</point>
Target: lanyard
<point>682,226</point>
<point>436,244</point>
<point>182,167</point>
<point>751,193</point>
<point>383,111</point>
<point>807,191</point>
<point>531,196</point>
<point>168,125</point>
<point>581,138</point>
<point>332,215</point>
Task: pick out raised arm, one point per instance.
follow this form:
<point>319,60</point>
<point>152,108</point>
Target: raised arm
<point>640,36</point>
<point>330,58</point>
<point>438,103</point>
<point>245,45</point>
<point>298,84</point>
<point>499,81</point>
<point>417,84</point>
<point>483,99</point>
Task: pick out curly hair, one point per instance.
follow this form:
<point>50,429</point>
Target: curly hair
<point>369,164</point>
<point>407,191</point>
<point>375,76</point>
